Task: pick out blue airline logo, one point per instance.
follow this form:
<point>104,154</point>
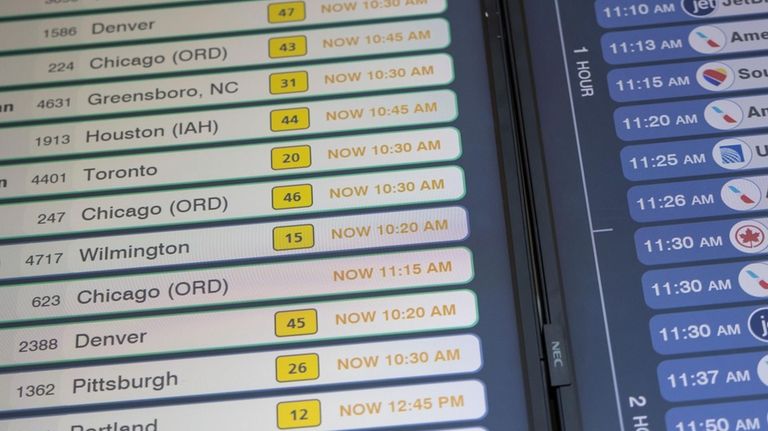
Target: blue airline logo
<point>699,8</point>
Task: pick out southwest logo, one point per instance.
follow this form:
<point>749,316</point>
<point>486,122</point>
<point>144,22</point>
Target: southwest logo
<point>716,77</point>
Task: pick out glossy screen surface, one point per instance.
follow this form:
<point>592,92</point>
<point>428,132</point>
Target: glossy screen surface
<point>252,215</point>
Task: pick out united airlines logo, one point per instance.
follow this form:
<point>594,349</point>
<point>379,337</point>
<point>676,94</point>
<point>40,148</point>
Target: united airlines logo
<point>732,154</point>
<point>699,8</point>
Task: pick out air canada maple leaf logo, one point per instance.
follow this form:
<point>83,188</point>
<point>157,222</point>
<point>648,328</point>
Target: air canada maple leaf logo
<point>750,237</point>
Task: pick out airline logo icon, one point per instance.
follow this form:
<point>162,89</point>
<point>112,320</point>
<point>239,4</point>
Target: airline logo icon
<point>741,194</point>
<point>762,370</point>
<point>758,324</point>
<point>731,154</point>
<point>753,280</point>
<point>707,39</point>
<point>699,8</point>
<point>723,115</point>
<point>749,236</point>
<point>715,77</point>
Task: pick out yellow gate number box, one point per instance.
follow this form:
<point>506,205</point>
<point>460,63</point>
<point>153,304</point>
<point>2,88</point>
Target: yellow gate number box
<point>287,197</point>
<point>291,46</point>
<point>296,157</point>
<point>295,323</point>
<point>298,368</point>
<point>287,12</point>
<point>293,237</point>
<point>298,414</point>
<point>281,120</point>
<point>288,82</point>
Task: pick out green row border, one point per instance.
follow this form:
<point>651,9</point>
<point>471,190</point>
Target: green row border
<point>305,384</point>
<point>265,63</point>
<point>269,99</point>
<point>278,342</point>
<point>158,4</point>
<point>220,218</point>
<point>269,138</point>
<point>191,307</point>
<point>298,25</point>
<point>279,173</point>
<point>214,261</point>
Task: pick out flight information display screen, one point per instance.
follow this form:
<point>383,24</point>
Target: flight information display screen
<point>652,114</point>
<point>252,215</point>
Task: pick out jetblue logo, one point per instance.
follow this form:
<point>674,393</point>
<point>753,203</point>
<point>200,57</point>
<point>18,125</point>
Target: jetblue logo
<point>699,7</point>
<point>758,324</point>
